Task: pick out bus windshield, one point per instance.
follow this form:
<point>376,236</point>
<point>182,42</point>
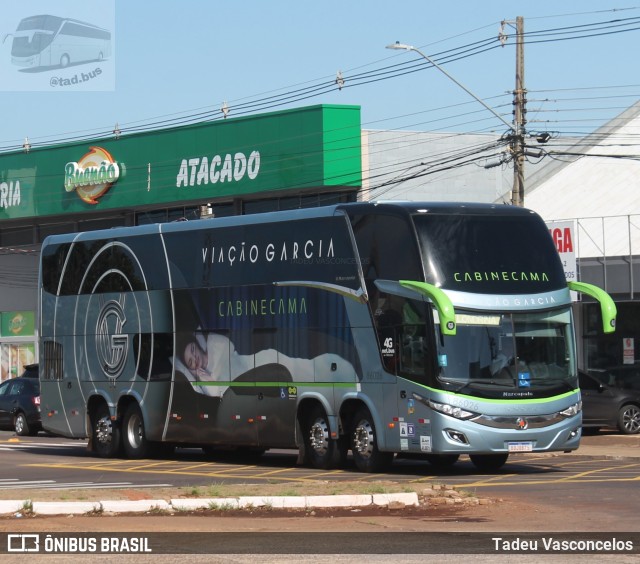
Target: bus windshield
<point>522,352</point>
<point>477,254</point>
<point>34,34</point>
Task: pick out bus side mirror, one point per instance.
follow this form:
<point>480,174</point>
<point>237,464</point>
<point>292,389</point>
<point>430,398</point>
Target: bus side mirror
<point>607,305</point>
<point>440,299</point>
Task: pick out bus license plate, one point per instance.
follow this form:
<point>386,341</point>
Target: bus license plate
<point>522,446</point>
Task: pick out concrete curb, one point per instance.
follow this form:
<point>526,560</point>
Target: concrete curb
<point>188,504</point>
<point>71,507</point>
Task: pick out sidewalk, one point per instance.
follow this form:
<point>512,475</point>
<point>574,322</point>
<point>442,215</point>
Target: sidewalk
<point>606,444</point>
<point>609,444</point>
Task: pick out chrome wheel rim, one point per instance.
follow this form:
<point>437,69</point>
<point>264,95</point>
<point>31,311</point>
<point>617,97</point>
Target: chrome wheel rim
<point>134,431</point>
<point>319,437</point>
<point>104,430</point>
<point>363,439</point>
<point>631,419</point>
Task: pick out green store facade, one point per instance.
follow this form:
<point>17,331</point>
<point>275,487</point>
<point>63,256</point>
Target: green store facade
<point>292,159</point>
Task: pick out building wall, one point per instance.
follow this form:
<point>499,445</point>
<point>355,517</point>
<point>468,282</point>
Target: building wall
<point>600,192</point>
<point>418,166</point>
<point>18,280</point>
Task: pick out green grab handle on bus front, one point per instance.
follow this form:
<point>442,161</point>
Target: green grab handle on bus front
<point>440,299</point>
<point>607,305</point>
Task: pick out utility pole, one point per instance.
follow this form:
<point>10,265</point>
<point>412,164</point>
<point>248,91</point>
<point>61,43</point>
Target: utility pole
<point>519,118</point>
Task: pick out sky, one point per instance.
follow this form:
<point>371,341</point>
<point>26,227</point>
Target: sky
<point>174,62</point>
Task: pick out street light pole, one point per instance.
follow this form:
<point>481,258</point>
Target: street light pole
<point>516,145</point>
<point>519,120</point>
<point>411,48</point>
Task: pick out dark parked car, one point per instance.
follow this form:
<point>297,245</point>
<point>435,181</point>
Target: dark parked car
<point>20,405</point>
<point>30,371</point>
<point>610,400</point>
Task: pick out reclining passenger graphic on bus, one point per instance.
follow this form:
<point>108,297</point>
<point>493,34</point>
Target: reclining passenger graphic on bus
<point>213,362</point>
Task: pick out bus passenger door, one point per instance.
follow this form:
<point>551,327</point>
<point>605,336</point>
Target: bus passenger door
<point>406,353</point>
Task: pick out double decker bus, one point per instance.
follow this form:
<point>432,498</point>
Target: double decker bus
<point>49,41</point>
<point>423,330</point>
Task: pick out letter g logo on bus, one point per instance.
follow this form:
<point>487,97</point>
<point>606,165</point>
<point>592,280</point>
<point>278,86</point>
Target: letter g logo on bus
<point>111,342</point>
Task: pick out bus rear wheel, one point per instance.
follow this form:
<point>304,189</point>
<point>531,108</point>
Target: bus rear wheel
<point>320,449</point>
<point>134,439</point>
<point>489,462</point>
<point>105,438</point>
<point>364,444</point>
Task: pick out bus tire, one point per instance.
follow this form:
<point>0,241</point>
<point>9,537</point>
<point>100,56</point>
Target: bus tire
<point>105,434</point>
<point>321,450</point>
<point>134,438</point>
<point>489,462</point>
<point>64,61</point>
<point>364,444</point>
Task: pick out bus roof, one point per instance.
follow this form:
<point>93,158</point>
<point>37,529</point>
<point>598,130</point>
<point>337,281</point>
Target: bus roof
<point>400,208</point>
<point>50,23</point>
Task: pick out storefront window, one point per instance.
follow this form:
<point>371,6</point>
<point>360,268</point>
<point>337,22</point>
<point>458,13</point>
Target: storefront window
<point>615,349</point>
<point>14,357</point>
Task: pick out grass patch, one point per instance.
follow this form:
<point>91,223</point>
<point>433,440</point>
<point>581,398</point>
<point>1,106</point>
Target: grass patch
<point>221,506</point>
<point>376,489</point>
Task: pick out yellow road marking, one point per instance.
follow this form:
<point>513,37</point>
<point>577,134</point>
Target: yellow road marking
<point>231,471</point>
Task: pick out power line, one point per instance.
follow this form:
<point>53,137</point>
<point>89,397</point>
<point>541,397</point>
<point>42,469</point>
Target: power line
<point>324,86</point>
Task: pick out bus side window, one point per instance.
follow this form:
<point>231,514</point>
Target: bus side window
<point>414,339</point>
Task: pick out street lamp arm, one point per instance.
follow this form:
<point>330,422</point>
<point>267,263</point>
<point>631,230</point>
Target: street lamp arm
<point>411,48</point>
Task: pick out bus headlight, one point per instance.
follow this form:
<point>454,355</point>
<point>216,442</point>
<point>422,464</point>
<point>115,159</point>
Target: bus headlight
<point>452,410</point>
<point>572,410</point>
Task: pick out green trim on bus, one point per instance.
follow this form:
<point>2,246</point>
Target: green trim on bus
<point>507,400</point>
<point>607,305</point>
<point>440,299</point>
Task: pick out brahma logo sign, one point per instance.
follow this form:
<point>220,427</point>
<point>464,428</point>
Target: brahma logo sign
<point>92,175</point>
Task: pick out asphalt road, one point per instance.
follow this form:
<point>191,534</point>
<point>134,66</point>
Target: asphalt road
<point>45,463</point>
<point>53,462</point>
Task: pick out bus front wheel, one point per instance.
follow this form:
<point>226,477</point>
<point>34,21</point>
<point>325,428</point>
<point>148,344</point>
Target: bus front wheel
<point>64,61</point>
<point>489,462</point>
<point>364,444</point>
<point>105,433</point>
<point>320,449</point>
<point>134,439</point>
